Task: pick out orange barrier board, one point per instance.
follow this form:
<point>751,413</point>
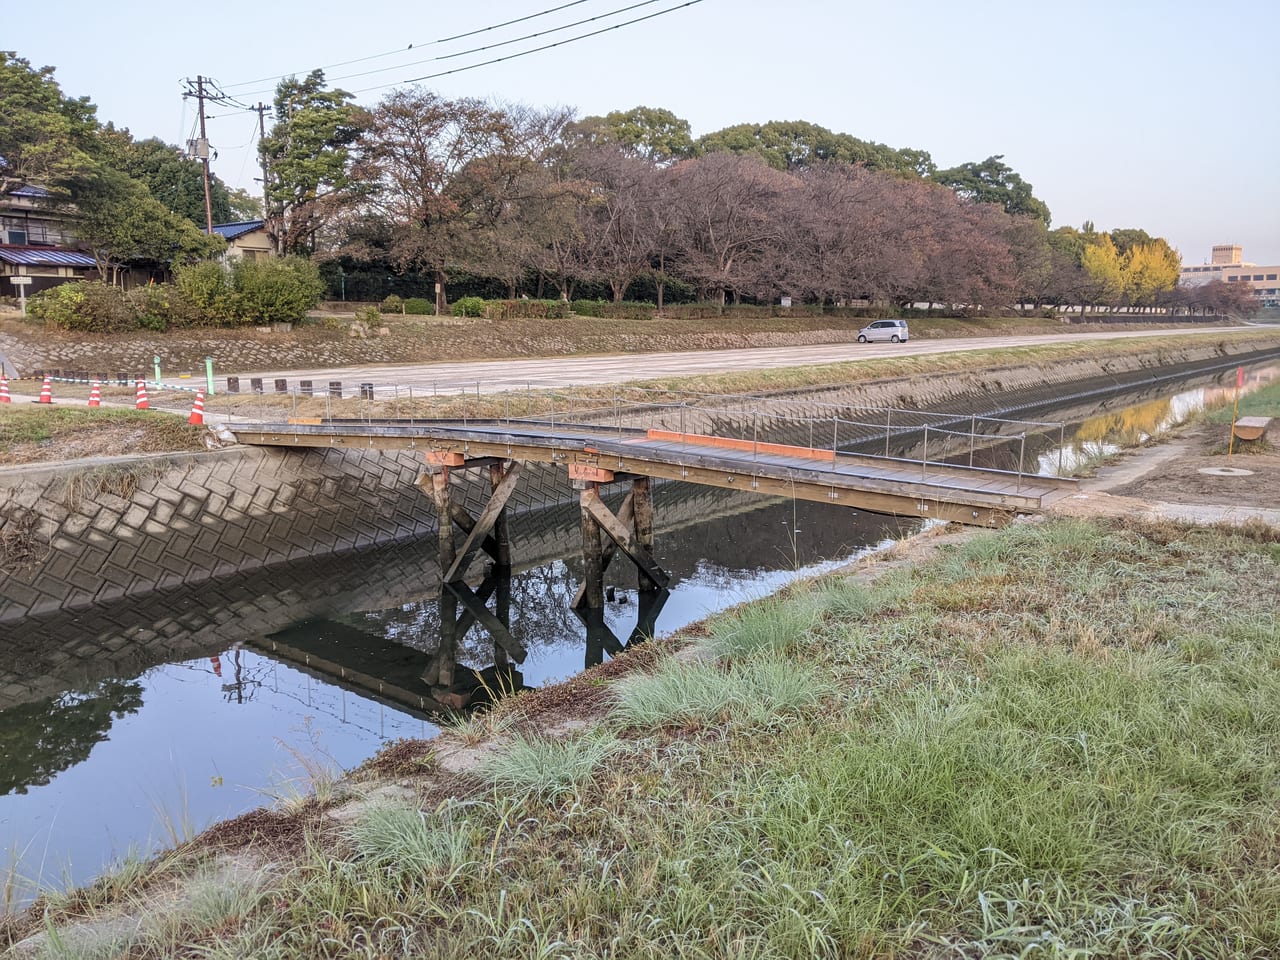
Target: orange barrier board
<point>727,443</point>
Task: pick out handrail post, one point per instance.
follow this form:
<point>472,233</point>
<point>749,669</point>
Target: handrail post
<point>1062,442</point>
<point>682,433</point>
<point>1022,449</point>
<point>924,463</point>
<point>973,432</point>
<point>835,441</point>
<point>617,412</point>
<point>888,421</point>
<point>755,433</point>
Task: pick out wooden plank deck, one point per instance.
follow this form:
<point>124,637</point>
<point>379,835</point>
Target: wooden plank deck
<point>877,484</point>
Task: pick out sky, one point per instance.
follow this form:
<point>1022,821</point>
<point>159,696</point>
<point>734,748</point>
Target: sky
<point>1158,114</point>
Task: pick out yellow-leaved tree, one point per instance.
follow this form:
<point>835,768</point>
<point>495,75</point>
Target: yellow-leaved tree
<point>1150,269</point>
<point>1105,269</point>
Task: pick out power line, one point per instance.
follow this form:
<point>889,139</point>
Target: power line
<point>492,46</point>
<point>391,53</point>
<point>525,53</point>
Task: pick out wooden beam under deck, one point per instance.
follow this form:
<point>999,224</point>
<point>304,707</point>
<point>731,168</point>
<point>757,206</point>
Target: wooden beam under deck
<point>902,488</point>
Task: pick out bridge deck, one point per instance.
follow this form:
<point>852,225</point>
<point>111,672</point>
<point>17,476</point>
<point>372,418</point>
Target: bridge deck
<point>879,484</point>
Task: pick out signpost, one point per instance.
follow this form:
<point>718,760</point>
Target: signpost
<point>21,283</point>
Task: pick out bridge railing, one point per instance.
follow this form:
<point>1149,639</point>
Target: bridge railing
<point>918,437</point>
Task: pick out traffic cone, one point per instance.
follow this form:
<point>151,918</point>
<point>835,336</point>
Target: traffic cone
<point>4,390</point>
<point>217,666</point>
<point>95,396</point>
<point>141,402</point>
<point>46,391</point>
<point>197,409</point>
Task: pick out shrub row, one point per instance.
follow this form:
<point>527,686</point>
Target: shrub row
<point>203,294</point>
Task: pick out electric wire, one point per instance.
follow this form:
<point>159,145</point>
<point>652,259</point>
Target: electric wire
<point>525,53</point>
<point>391,53</point>
<point>491,46</point>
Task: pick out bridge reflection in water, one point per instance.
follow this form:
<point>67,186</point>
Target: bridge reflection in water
<point>432,678</point>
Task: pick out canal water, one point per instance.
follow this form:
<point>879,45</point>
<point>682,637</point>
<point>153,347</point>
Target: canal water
<point>126,751</point>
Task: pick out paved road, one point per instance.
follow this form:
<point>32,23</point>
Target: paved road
<point>495,375</point>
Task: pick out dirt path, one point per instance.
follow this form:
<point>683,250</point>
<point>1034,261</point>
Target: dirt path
<point>1169,480</point>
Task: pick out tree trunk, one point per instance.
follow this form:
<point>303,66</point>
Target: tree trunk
<point>618,290</point>
<point>542,280</point>
<point>442,299</point>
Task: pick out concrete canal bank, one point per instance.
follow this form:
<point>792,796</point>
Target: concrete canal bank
<point>82,532</point>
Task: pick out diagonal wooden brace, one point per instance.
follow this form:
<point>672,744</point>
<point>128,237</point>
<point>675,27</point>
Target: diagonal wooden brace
<point>606,553</point>
<point>623,537</point>
<point>500,632</point>
<point>463,519</point>
<point>484,523</point>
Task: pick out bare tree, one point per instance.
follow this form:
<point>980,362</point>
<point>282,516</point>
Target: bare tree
<point>726,208</point>
<point>423,156</point>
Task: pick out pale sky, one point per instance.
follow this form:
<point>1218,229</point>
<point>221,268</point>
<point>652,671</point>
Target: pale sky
<point>1129,113</point>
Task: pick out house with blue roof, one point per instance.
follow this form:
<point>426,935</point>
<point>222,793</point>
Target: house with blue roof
<point>246,240</point>
<point>36,242</point>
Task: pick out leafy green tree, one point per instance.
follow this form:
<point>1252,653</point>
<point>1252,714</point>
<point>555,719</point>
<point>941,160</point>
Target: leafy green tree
<point>791,145</point>
<point>308,155</point>
<point>122,225</point>
<point>45,137</point>
<point>174,180</point>
<point>992,181</point>
<point>650,133</point>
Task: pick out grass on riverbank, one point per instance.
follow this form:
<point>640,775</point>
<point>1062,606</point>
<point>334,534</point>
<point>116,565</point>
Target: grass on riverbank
<point>31,432</point>
<point>1060,740</point>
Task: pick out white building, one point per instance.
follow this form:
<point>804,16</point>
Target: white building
<point>1228,265</point>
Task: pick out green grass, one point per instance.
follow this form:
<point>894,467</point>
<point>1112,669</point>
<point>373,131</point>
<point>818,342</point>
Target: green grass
<point>34,423</point>
<point>1057,740</point>
<point>1263,402</point>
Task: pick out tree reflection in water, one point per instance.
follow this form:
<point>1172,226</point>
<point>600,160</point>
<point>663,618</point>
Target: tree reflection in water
<point>39,740</point>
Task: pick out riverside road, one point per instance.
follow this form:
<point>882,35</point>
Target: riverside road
<point>545,372</point>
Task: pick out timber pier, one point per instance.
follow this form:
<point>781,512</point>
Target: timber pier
<point>736,449</point>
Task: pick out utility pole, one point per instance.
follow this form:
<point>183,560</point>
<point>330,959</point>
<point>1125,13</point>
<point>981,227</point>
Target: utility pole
<point>200,148</point>
<point>266,174</point>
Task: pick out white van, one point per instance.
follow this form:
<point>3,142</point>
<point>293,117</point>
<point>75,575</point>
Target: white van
<point>895,331</point>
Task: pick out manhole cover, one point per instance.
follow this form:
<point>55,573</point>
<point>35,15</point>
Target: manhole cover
<point>1226,472</point>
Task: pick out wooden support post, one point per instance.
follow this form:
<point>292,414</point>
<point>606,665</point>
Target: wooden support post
<point>484,523</point>
<point>643,524</point>
<point>606,554</point>
<point>600,639</point>
<point>650,604</point>
<point>501,539</point>
<point>502,610</point>
<point>624,538</point>
<point>592,553</point>
<point>440,670</point>
<point>440,493</point>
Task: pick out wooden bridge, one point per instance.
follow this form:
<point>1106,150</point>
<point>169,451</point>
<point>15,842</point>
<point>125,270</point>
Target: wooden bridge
<point>596,454</point>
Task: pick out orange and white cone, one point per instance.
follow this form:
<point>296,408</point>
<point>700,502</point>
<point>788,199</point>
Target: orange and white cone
<point>95,396</point>
<point>46,391</point>
<point>197,409</point>
<point>141,402</point>
<point>4,390</point>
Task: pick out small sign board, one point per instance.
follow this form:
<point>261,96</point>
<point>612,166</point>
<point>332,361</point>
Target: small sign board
<point>786,301</point>
<point>20,281</point>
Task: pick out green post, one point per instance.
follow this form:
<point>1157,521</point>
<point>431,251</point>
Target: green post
<point>156,361</point>
<point>208,375</point>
